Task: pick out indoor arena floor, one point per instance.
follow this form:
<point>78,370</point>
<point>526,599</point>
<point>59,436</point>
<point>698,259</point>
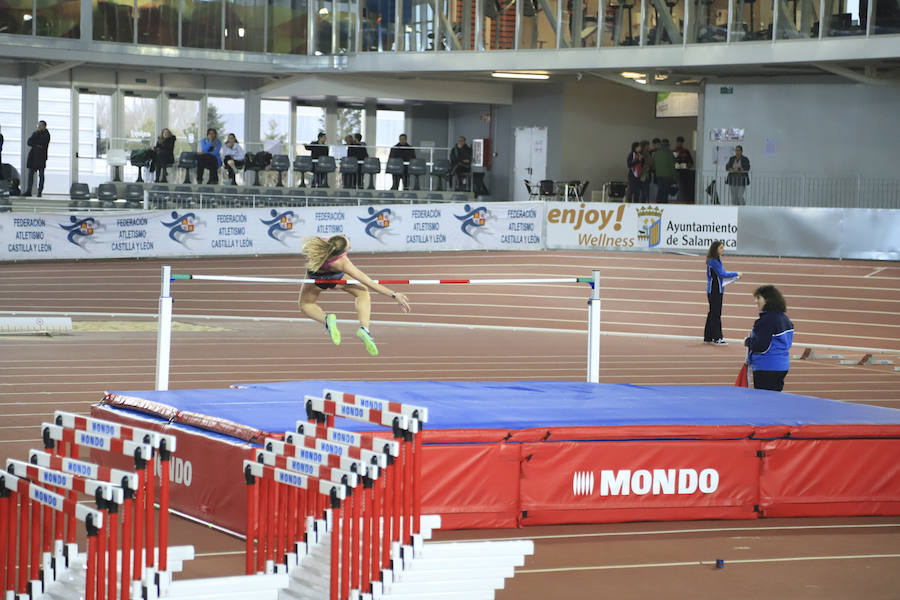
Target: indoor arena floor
<point>653,309</point>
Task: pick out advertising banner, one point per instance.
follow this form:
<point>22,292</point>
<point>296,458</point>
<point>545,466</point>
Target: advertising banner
<point>648,480</point>
<point>249,231</point>
<point>615,226</point>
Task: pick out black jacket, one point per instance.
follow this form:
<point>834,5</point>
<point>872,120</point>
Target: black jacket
<point>37,156</point>
<point>316,149</point>
<point>404,151</point>
<point>165,151</point>
<point>461,158</point>
<point>358,151</point>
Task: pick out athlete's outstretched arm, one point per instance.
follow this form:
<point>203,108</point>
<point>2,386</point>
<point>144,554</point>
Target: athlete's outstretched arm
<point>354,272</point>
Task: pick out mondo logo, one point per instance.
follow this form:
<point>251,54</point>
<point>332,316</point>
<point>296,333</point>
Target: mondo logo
<point>641,482</point>
<point>583,483</point>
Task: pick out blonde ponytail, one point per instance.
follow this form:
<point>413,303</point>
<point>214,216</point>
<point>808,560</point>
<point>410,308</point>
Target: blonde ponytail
<point>317,250</point>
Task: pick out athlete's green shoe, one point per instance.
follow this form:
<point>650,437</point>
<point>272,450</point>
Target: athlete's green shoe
<point>368,341</point>
<point>331,326</point>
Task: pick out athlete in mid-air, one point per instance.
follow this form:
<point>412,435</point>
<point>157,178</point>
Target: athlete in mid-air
<point>327,259</point>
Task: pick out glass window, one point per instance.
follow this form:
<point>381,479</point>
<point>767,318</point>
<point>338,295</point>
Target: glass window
<point>500,29</point>
<point>349,122</point>
<point>244,25</point>
<point>887,15</point>
<point>184,123</point>
<point>310,121</point>
<point>158,22</point>
<point>58,18</point>
<point>94,137</point>
<point>795,20</point>
<point>140,128</point>
<point>752,21</point>
<point>418,25</point>
<point>288,26</point>
<point>709,21</point>
<point>11,121</point>
<point>54,107</point>
<point>323,16</point>
<point>528,28</point>
<point>226,115</point>
<point>274,126</point>
<point>347,19</point>
<point>113,20</point>
<point>202,26</point>
<point>665,22</point>
<point>378,25</point>
<point>16,17</point>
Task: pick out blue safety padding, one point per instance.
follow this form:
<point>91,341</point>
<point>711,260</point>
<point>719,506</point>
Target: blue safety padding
<point>274,407</point>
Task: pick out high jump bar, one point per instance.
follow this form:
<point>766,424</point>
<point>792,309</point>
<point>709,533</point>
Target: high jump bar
<point>164,332</point>
<point>177,276</point>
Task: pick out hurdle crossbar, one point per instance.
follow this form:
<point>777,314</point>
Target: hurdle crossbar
<point>164,313</point>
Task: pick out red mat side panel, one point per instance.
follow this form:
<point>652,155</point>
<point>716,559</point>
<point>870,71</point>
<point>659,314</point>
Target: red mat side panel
<point>570,482</point>
<point>206,480</point>
<point>830,477</point>
<point>472,486</point>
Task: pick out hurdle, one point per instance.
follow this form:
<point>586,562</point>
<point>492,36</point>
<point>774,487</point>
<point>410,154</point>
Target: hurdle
<point>164,311</point>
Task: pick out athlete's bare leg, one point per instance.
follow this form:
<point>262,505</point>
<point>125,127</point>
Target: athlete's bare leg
<point>309,295</point>
<point>363,301</point>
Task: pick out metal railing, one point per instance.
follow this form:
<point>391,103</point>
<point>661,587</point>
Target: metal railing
<point>803,190</point>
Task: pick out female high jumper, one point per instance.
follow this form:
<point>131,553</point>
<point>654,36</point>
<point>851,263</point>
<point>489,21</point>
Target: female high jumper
<point>327,259</point>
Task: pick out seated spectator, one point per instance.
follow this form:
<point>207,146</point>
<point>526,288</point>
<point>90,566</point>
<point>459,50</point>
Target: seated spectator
<point>460,163</point>
<point>232,157</point>
<point>403,150</point>
<point>209,158</point>
<point>358,151</point>
<point>316,149</point>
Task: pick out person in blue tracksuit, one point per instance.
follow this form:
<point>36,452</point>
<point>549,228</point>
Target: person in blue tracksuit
<point>715,288</point>
<point>769,344</point>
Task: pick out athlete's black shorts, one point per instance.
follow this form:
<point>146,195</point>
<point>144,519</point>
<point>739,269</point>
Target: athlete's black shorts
<point>330,275</point>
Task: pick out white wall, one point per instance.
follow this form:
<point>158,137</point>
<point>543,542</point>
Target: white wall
<point>830,130</point>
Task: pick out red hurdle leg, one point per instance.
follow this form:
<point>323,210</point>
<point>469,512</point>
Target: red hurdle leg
<point>101,558</point>
<point>164,513</point>
<point>335,551</point>
<point>11,542</point>
<point>23,542</point>
<point>71,524</point>
<point>252,489</point>
<point>345,550</point>
<point>35,571</point>
<point>90,582</point>
<point>376,527</point>
<point>4,532</point>
<point>397,517</point>
<point>125,592</point>
<point>291,521</point>
<point>270,520</point>
<point>59,450</point>
<point>137,562</point>
<point>354,542</point>
<point>150,484</point>
<point>407,493</point>
<point>262,522</point>
<point>113,552</point>
<point>417,483</point>
<point>387,514</point>
<point>367,537</point>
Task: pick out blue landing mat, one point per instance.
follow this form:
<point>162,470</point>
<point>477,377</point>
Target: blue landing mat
<point>274,407</point>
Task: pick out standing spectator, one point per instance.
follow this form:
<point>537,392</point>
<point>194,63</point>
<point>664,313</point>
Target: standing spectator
<point>460,163</point>
<point>769,343</point>
<point>715,288</point>
<point>404,151</point>
<point>664,164</point>
<point>358,151</point>
<point>316,149</point>
<point>209,157</point>
<point>232,157</point>
<point>37,157</point>
<point>1,148</point>
<point>163,154</point>
<point>635,168</point>
<point>650,166</point>
<point>684,164</point>
<point>645,172</point>
<point>738,178</point>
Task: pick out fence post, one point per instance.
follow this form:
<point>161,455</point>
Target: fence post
<point>164,333</point>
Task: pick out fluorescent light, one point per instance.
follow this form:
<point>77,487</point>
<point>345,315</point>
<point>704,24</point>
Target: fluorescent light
<point>660,76</point>
<point>323,11</point>
<point>241,32</point>
<point>641,81</point>
<point>632,75</point>
<point>502,75</point>
<point>26,17</point>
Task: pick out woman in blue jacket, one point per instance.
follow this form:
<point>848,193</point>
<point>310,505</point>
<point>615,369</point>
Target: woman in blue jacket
<point>769,344</point>
<point>715,288</point>
<point>209,157</point>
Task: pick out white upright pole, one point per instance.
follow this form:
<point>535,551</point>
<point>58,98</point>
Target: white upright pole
<point>593,351</point>
<point>164,334</point>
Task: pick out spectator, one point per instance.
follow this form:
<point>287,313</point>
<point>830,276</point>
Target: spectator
<point>358,150</point>
<point>650,167</point>
<point>37,157</point>
<point>738,178</point>
<point>682,154</point>
<point>645,172</point>
<point>635,168</point>
<point>715,289</point>
<point>316,149</point>
<point>664,166</point>
<point>163,154</point>
<point>769,343</point>
<point>1,148</point>
<point>232,157</point>
<point>209,157</point>
<point>404,151</point>
<point>684,175</point>
<point>460,163</point>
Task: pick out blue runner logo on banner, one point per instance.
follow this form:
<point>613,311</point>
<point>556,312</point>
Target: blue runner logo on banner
<point>473,218</point>
<point>377,222</point>
<point>281,226</point>
<point>182,227</point>
<point>81,230</point>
